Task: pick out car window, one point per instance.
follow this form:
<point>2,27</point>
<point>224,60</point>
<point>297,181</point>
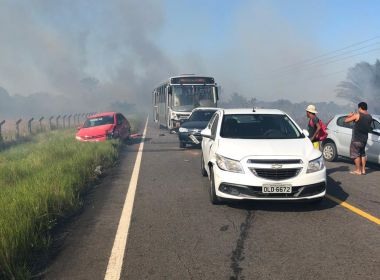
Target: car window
<point>376,124</point>
<point>214,125</point>
<point>340,122</point>
<point>120,118</point>
<point>98,121</point>
<point>259,126</point>
<point>201,115</point>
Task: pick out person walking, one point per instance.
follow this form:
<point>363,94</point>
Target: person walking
<point>362,126</point>
<point>313,126</point>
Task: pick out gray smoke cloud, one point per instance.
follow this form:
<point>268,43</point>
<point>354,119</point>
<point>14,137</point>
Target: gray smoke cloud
<point>362,84</point>
<point>87,54</point>
<point>262,44</point>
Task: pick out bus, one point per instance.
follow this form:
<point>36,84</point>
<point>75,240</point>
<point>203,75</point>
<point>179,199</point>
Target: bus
<point>174,99</point>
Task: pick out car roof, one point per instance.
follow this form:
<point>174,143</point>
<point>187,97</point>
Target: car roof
<point>97,115</point>
<point>253,111</point>
<point>377,117</point>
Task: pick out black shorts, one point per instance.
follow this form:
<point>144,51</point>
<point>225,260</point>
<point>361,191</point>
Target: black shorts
<point>357,149</point>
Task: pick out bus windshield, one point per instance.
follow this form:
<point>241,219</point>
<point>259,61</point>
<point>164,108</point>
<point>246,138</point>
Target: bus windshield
<point>188,97</point>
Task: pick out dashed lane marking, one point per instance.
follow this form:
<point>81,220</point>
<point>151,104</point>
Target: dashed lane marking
<point>115,262</point>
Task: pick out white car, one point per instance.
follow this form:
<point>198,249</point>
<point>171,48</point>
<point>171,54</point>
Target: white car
<point>339,139</point>
<point>260,154</point>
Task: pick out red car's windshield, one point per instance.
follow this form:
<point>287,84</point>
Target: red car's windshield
<point>98,121</point>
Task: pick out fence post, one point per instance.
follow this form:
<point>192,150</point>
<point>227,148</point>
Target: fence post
<point>40,120</point>
<point>64,120</point>
<point>18,129</point>
<point>69,119</point>
<point>56,120</point>
<point>1,136</point>
<point>30,125</point>
<point>50,123</point>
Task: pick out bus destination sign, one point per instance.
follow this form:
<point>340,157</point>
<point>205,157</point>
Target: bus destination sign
<point>192,80</point>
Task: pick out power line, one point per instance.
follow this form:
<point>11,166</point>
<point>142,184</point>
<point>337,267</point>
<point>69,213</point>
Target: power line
<point>326,54</point>
<point>318,64</point>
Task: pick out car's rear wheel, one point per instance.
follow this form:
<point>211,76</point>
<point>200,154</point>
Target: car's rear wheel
<point>203,169</point>
<point>213,197</point>
<point>329,152</point>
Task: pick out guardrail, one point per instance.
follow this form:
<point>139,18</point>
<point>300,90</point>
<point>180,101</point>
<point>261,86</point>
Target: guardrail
<point>11,130</point>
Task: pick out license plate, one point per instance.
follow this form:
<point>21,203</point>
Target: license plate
<point>277,188</point>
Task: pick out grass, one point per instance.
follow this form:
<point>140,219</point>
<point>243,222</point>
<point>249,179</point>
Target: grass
<point>41,181</point>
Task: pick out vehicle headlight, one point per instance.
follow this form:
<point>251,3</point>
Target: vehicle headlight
<point>174,116</point>
<point>229,164</point>
<point>78,137</point>
<point>315,165</point>
<point>183,129</point>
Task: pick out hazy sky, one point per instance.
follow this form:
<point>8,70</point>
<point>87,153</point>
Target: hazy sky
<point>263,49</point>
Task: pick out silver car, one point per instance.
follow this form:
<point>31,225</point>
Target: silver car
<point>339,139</point>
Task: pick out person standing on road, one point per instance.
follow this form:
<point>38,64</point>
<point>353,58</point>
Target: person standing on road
<point>313,126</point>
<point>359,138</point>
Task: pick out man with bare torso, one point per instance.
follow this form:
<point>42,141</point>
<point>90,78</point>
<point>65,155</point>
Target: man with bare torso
<point>362,126</point>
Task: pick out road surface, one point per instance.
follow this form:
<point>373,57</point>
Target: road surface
<point>176,233</point>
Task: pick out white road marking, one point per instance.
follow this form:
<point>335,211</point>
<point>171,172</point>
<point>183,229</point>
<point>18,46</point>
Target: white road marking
<point>115,262</point>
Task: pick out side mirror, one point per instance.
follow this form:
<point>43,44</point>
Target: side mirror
<point>305,132</point>
<point>79,127</point>
<point>207,133</point>
<point>169,90</point>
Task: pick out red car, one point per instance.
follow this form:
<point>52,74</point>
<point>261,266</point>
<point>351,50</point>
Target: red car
<point>104,126</point>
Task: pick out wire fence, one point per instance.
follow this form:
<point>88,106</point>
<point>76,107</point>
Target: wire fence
<point>17,129</point>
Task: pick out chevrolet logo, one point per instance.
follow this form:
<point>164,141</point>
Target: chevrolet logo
<point>276,166</point>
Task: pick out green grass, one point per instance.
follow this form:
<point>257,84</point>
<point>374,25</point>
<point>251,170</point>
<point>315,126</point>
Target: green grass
<point>40,182</point>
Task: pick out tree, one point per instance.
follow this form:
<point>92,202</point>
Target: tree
<point>362,84</point>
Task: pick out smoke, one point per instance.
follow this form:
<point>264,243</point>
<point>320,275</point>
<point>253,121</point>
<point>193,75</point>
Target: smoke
<point>362,84</point>
<point>87,54</point>
<point>82,56</point>
<point>266,52</point>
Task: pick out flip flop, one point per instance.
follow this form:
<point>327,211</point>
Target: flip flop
<point>355,173</point>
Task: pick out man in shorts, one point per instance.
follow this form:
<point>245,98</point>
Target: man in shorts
<point>362,126</point>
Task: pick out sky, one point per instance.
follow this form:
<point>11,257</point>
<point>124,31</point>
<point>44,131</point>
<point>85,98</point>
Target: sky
<point>118,50</point>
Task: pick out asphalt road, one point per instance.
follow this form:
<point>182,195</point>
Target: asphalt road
<point>175,232</point>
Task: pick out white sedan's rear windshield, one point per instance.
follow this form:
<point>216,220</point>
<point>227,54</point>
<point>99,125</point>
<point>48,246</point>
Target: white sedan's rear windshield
<point>259,126</point>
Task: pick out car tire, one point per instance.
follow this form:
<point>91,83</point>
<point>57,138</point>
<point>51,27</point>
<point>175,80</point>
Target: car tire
<point>329,151</point>
<point>213,197</point>
<point>203,169</point>
<point>182,144</point>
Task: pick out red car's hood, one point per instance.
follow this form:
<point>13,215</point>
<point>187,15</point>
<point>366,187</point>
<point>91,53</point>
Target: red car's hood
<point>94,131</point>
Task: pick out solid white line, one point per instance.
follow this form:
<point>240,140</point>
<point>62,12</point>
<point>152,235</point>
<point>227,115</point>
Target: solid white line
<point>115,262</point>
